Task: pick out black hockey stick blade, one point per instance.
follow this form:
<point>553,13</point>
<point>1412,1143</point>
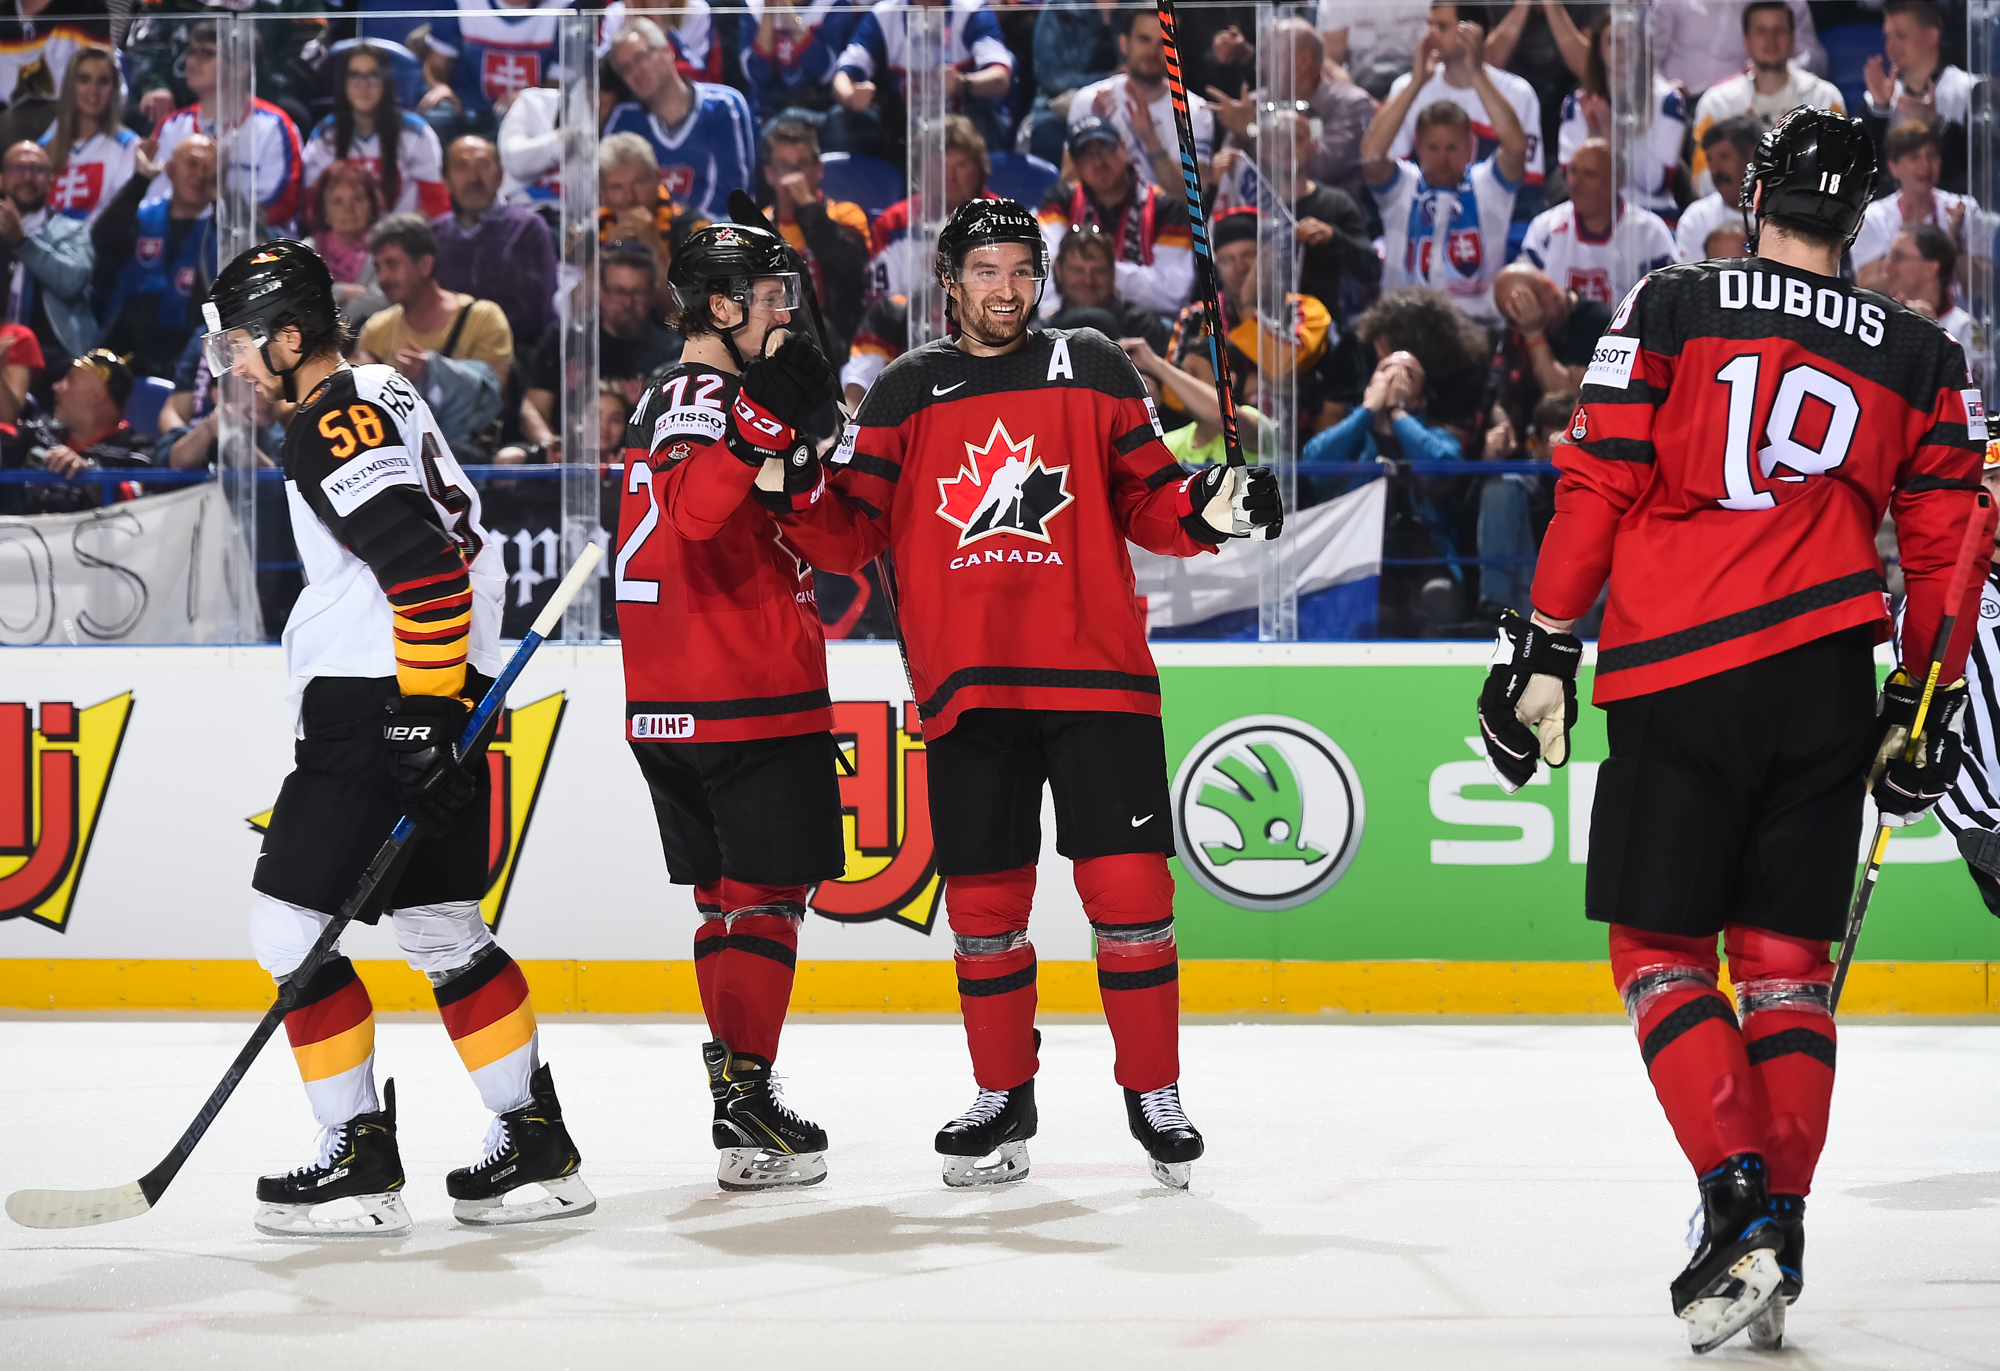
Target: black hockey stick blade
<point>84,1208</point>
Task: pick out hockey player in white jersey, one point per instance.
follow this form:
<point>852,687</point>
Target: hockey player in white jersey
<point>395,635</point>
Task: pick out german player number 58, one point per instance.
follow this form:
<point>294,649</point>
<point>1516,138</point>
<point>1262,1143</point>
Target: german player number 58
<point>1783,448</point>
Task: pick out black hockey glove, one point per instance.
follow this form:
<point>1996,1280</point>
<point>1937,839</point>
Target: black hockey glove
<point>422,733</point>
<point>1222,502</point>
<point>1911,780</point>
<point>1529,704</point>
<point>802,480</point>
<point>792,382</point>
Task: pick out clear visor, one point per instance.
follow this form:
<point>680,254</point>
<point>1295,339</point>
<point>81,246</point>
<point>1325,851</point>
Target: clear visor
<point>985,269</point>
<point>770,294</point>
<point>224,348</point>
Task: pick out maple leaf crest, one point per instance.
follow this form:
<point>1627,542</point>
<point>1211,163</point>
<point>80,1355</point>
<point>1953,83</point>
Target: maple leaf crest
<point>1003,488</point>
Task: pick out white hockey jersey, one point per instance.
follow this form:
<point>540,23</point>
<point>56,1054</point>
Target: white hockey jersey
<point>1452,238</point>
<point>1603,268</point>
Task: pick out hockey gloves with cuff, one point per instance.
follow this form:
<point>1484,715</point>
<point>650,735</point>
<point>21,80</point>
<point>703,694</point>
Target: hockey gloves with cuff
<point>772,416</point>
<point>1223,502</point>
<point>1529,703</point>
<point>422,733</point>
<point>1911,780</point>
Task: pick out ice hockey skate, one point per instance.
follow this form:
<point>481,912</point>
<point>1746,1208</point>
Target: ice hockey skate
<point>1160,1124</point>
<point>761,1144</point>
<point>1767,1330</point>
<point>525,1146</point>
<point>988,1143</point>
<point>1734,1276</point>
<point>357,1161</point>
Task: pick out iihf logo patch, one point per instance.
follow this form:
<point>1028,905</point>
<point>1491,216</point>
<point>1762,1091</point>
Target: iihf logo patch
<point>1003,488</point>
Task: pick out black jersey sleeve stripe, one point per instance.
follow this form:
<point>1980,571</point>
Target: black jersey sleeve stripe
<point>1948,435</point>
<point>862,505</point>
<point>1923,483</point>
<point>1172,471</point>
<point>757,707</point>
<point>1035,677</point>
<point>1739,625</point>
<point>861,463</point>
<point>1621,449</point>
<point>1132,440</point>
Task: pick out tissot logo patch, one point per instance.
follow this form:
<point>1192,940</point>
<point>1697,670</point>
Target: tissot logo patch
<point>1003,488</point>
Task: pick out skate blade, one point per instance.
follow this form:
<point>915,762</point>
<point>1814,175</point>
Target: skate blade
<point>742,1169</point>
<point>1173,1175</point>
<point>381,1216</point>
<point>1767,1330</point>
<point>1741,1295</point>
<point>565,1197</point>
<point>1007,1162</point>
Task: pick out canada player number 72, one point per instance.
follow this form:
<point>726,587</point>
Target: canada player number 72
<point>1782,447</point>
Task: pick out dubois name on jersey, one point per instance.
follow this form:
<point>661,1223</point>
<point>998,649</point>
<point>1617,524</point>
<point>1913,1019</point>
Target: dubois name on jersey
<point>401,579</point>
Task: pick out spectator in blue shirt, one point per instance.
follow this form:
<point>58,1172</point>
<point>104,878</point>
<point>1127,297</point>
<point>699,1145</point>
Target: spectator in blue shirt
<point>703,136</point>
<point>789,54</point>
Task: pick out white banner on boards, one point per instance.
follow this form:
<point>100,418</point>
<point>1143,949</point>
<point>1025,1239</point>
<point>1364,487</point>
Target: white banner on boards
<point>167,568</point>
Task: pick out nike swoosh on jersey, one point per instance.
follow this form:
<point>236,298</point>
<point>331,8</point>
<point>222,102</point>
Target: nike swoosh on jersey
<point>946,390</point>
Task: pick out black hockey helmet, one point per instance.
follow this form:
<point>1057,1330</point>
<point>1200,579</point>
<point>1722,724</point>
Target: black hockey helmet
<point>983,223</point>
<point>1817,170</point>
<point>727,259</point>
<point>281,279</point>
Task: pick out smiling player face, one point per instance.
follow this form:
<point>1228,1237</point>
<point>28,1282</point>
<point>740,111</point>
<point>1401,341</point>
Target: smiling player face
<point>996,291</point>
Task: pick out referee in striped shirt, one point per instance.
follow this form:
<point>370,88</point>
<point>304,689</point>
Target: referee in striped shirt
<point>1970,810</point>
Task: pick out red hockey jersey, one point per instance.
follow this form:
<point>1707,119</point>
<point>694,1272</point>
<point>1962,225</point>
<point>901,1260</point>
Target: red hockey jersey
<point>722,637</point>
<point>1005,488</point>
<point>1740,432</point>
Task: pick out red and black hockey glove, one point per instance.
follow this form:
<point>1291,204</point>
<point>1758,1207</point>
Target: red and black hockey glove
<point>1529,703</point>
<point>804,480</point>
<point>1914,779</point>
<point>421,734</point>
<point>1221,502</point>
<point>779,397</point>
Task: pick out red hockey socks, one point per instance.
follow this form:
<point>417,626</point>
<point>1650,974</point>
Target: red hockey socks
<point>745,955</point>
<point>1129,899</point>
<point>332,1030</point>
<point>486,1011</point>
<point>1691,1045</point>
<point>996,972</point>
<point>1784,987</point>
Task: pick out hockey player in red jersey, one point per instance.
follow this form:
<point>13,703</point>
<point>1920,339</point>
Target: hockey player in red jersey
<point>396,633</point>
<point>1004,471</point>
<point>725,668</point>
<point>1742,428</point>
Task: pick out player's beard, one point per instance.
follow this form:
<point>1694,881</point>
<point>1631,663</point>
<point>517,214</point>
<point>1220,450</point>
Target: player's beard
<point>983,328</point>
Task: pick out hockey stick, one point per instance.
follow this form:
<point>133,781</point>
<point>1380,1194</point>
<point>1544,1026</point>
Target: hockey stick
<point>82,1208</point>
<point>1204,254</point>
<point>1976,528</point>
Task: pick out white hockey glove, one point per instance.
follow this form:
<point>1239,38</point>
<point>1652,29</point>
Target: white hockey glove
<point>1223,502</point>
<point>1529,704</point>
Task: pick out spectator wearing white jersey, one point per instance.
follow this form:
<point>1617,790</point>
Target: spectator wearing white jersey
<point>1912,81</point>
<point>1771,85</point>
<point>1462,76</point>
<point>1596,244</point>
<point>1586,113</point>
<point>1138,104</point>
<point>1444,220</point>
<point>1914,160</point>
<point>90,149</point>
<point>368,127</point>
<point>1728,145</point>
<point>1695,41</point>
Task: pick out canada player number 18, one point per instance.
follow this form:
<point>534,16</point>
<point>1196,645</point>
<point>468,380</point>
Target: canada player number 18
<point>1784,448</point>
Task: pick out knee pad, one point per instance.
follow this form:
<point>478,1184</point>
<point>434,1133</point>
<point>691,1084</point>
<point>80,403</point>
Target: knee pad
<point>1773,971</point>
<point>1645,966</point>
<point>737,898</point>
<point>442,940</point>
<point>281,933</point>
<point>988,913</point>
<point>1129,900</point>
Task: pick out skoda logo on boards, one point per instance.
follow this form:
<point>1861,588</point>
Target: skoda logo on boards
<point>1268,812</point>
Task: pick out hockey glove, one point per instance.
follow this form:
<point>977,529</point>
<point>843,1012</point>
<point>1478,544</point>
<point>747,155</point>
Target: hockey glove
<point>1912,779</point>
<point>794,382</point>
<point>1529,703</point>
<point>795,487</point>
<point>421,734</point>
<point>1222,502</point>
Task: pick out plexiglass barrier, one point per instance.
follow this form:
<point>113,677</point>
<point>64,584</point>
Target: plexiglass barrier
<point>1412,266</point>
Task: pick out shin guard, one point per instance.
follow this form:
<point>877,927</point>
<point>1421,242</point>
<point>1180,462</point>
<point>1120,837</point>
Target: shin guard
<point>708,944</point>
<point>332,1031</point>
<point>1692,1047</point>
<point>996,972</point>
<point>1784,988</point>
<point>751,986</point>
<point>1129,899</point>
<point>486,1011</point>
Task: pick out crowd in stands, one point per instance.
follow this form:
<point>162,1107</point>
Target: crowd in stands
<point>1446,174</point>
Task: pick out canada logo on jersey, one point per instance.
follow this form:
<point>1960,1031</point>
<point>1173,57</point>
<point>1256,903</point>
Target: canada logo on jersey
<point>1003,488</point>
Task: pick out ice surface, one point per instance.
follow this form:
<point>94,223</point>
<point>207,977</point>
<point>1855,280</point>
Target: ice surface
<point>1398,1196</point>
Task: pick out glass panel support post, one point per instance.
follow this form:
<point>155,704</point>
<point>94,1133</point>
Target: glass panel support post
<point>577,315</point>
<point>238,228</point>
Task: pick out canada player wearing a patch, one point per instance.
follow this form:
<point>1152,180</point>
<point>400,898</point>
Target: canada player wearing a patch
<point>395,635</point>
<point>726,704</point>
<point>1005,471</point>
<point>1742,428</point>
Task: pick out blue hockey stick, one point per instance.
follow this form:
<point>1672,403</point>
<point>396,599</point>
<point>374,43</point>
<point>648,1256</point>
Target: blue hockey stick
<point>82,1208</point>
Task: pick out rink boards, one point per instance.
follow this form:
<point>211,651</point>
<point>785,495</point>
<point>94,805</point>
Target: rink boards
<point>1342,848</point>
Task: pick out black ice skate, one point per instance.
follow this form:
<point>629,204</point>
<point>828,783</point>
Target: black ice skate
<point>525,1146</point>
<point>1767,1330</point>
<point>357,1161</point>
<point>988,1143</point>
<point>760,1143</point>
<point>1160,1124</point>
<point>1734,1275</point>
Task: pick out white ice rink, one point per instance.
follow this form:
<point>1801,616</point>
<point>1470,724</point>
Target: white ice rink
<point>1442,1194</point>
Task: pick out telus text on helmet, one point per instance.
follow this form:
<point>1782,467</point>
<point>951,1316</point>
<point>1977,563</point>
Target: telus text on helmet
<point>1832,308</point>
